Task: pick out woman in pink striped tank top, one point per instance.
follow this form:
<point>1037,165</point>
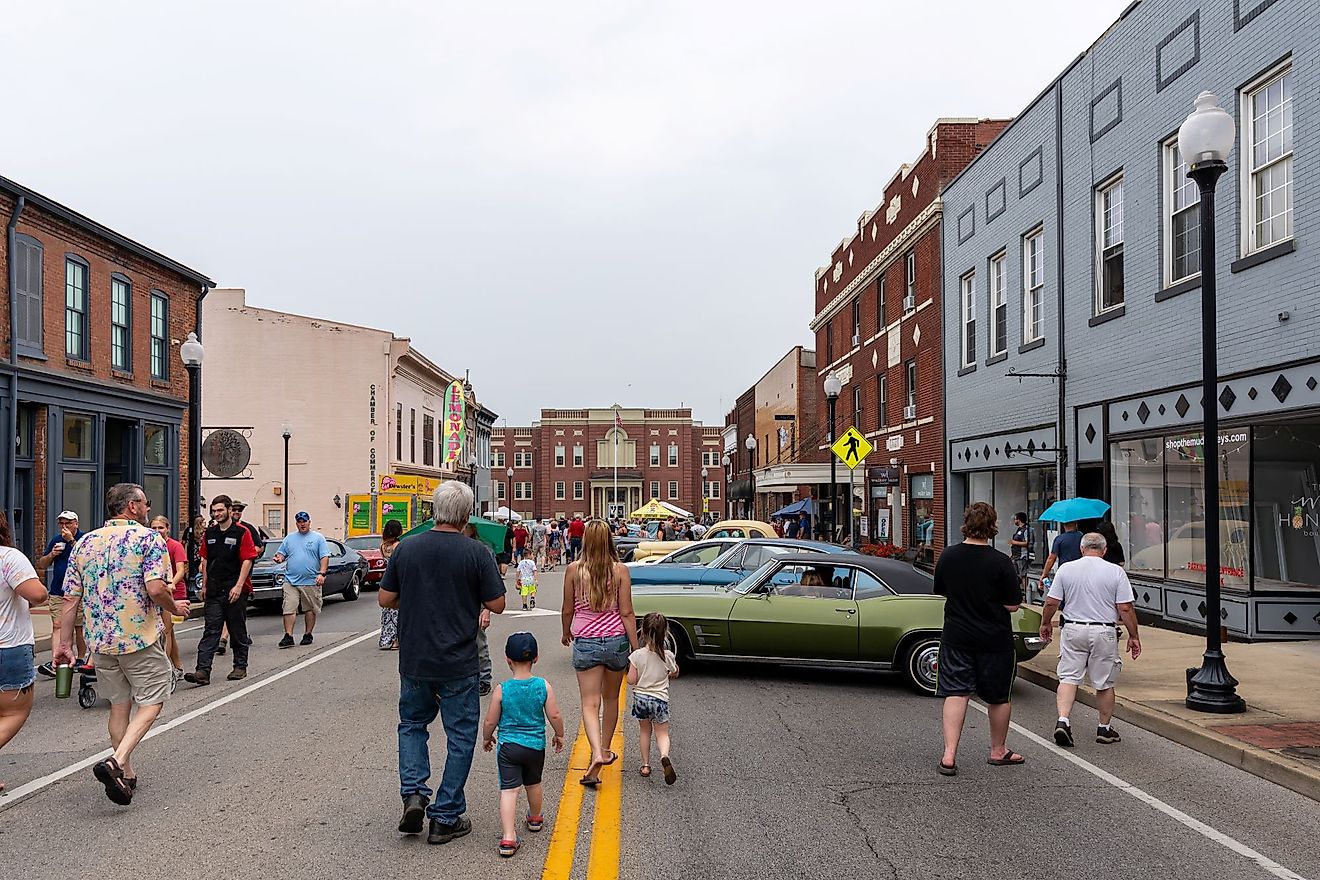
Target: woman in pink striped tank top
<point>600,625</point>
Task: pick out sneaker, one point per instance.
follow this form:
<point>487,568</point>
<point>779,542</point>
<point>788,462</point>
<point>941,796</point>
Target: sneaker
<point>508,848</point>
<point>524,608</point>
<point>485,689</point>
<point>1107,735</point>
<point>287,641</point>
<point>176,675</point>
<point>306,639</point>
<point>442,833</point>
<point>47,670</point>
<point>237,674</point>
<point>414,811</point>
<point>198,678</point>
<point>1063,734</point>
<point>533,602</point>
<point>222,647</point>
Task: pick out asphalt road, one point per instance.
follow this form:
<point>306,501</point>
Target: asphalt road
<point>292,774</point>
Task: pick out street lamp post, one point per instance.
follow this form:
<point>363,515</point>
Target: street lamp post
<point>288,432</point>
<point>728,479</point>
<point>705,500</point>
<point>472,473</point>
<point>751,476</point>
<point>508,500</point>
<point>832,388</point>
<point>1205,140</point>
<point>191,352</point>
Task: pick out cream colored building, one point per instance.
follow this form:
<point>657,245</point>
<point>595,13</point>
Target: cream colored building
<point>359,403</point>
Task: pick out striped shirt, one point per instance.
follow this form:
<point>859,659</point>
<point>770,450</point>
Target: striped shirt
<point>588,624</point>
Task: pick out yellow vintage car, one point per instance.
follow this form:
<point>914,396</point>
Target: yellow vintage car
<point>728,528</point>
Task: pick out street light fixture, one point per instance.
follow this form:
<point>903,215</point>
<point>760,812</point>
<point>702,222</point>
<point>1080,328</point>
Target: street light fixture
<point>1205,139</point>
<point>832,388</point>
<point>705,485</point>
<point>472,472</point>
<point>751,476</point>
<point>288,432</point>
<point>191,352</point>
<point>508,501</point>
<point>728,479</point>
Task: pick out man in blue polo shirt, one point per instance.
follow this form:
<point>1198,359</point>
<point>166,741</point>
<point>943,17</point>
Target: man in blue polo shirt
<point>306,556</point>
<point>56,558</point>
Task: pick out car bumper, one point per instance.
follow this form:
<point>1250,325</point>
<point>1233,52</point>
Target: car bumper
<point>1034,644</point>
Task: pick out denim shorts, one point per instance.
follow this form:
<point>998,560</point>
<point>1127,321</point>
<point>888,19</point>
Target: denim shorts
<point>649,708</point>
<point>16,670</point>
<point>609,651</point>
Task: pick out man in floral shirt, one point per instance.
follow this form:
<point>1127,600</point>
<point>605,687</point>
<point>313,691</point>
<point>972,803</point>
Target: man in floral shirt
<point>119,572</point>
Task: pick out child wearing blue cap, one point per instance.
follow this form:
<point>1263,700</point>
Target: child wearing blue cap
<point>519,708</point>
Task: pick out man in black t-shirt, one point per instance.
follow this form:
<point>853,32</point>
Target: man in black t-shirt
<point>440,581</point>
<point>227,553</point>
<point>977,654</point>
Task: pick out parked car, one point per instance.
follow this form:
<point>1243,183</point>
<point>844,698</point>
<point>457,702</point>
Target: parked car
<point>345,574</point>
<point>368,547</point>
<point>699,552</point>
<point>818,609</point>
<point>729,528</point>
<point>729,567</point>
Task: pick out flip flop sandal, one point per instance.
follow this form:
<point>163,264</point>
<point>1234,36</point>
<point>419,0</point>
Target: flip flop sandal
<point>645,770</point>
<point>589,782</point>
<point>111,775</point>
<point>613,758</point>
<point>670,775</point>
<point>508,847</point>
<point>948,769</point>
<point>1010,759</point>
<point>535,823</point>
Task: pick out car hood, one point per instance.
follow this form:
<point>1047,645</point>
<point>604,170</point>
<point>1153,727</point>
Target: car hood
<point>667,573</point>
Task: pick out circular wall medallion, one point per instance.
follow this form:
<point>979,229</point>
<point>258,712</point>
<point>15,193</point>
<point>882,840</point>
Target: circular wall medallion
<point>226,453</point>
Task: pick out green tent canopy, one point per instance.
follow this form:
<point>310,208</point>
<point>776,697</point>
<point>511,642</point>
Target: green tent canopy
<point>488,532</point>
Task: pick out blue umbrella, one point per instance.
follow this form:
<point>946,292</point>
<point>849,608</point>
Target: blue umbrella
<point>1074,509</point>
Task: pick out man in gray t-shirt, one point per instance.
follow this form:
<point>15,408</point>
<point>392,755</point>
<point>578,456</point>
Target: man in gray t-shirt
<point>1097,594</point>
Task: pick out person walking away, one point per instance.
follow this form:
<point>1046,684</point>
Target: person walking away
<point>192,542</point>
<point>306,557</point>
<point>650,668</point>
<point>1067,547</point>
<point>19,589</point>
<point>505,558</point>
<point>120,575</point>
<point>538,543</point>
<point>440,581</point>
<point>598,621</point>
<point>520,536</point>
<point>484,669</point>
<point>791,527</point>
<point>1113,547</point>
<point>527,582</point>
<point>178,584</point>
<point>519,709</point>
<point>56,559</point>
<point>389,617</point>
<point>576,530</point>
<point>1019,550</point>
<point>977,655</point>
<point>227,554</point>
<point>1097,594</point>
<point>553,545</point>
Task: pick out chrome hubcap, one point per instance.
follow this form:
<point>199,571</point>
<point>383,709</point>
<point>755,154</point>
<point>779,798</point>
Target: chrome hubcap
<point>926,664</point>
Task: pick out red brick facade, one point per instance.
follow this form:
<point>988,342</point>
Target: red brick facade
<point>588,481</point>
<point>878,314</point>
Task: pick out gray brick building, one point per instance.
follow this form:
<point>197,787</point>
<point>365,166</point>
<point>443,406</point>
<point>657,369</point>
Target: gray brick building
<point>1072,308</point>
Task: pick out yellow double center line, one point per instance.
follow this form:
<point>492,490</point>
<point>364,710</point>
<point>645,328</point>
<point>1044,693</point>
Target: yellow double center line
<point>603,856</point>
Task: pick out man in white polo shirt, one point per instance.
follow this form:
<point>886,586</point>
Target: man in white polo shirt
<point>1096,594</point>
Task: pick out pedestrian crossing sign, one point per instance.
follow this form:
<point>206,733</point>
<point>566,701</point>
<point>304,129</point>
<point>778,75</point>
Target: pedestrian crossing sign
<point>852,448</point>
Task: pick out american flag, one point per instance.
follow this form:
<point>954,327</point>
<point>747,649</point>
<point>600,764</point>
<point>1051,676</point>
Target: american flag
<point>618,420</point>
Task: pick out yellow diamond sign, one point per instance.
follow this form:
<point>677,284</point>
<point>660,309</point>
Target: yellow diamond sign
<point>852,448</point>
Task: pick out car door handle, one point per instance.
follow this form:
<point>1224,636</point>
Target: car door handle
<point>846,610</point>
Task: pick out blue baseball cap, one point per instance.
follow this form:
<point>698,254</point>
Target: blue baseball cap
<point>521,647</point>
<point>302,516</point>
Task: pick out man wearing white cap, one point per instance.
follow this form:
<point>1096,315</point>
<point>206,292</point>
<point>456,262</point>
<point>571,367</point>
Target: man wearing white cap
<point>56,558</point>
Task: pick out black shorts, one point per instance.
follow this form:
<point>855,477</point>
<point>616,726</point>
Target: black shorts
<point>986,674</point>
<point>519,765</point>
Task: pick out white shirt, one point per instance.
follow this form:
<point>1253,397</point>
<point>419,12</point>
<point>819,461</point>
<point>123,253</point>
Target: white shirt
<point>15,620</point>
<point>652,672</point>
<point>527,571</point>
<point>1090,589</point>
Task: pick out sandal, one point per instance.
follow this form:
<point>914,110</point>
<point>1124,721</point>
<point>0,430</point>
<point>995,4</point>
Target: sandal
<point>535,823</point>
<point>613,758</point>
<point>508,847</point>
<point>1010,759</point>
<point>949,769</point>
<point>670,775</point>
<point>589,782</point>
<point>111,775</point>
<point>645,770</point>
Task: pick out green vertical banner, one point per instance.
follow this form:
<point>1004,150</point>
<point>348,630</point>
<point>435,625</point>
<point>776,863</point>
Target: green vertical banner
<point>360,518</point>
<point>455,405</point>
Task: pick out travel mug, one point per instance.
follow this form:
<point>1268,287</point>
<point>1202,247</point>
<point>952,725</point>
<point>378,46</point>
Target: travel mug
<point>63,681</point>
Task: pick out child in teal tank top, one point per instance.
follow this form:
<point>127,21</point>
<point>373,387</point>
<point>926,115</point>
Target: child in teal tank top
<point>519,709</point>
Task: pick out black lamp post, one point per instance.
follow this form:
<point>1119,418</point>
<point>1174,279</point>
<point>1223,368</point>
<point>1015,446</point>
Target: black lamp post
<point>1205,140</point>
<point>288,432</point>
<point>508,492</point>
<point>705,485</point>
<point>728,479</point>
<point>751,476</point>
<point>191,352</point>
<point>832,388</point>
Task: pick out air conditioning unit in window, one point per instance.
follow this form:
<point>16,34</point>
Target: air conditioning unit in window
<point>909,413</point>
<point>909,303</point>
<point>856,341</point>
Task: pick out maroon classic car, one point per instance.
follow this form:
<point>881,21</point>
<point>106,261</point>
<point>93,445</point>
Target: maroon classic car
<point>368,547</point>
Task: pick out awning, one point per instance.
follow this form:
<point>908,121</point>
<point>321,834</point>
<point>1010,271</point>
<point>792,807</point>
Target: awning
<point>652,509</point>
<point>803,505</point>
<point>676,510</point>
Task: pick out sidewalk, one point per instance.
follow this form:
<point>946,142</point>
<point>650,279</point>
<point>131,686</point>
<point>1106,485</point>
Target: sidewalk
<point>1277,738</point>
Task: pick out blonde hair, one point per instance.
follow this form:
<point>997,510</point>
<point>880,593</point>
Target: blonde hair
<point>160,519</point>
<point>597,564</point>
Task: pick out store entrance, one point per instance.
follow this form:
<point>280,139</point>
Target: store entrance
<point>121,462</point>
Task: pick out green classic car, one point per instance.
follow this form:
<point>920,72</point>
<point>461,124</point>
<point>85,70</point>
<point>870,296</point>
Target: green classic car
<point>842,610</point>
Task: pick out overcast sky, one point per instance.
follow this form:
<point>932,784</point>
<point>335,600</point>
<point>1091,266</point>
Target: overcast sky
<point>582,202</point>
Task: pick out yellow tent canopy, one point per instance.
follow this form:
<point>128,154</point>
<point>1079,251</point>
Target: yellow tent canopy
<point>652,509</point>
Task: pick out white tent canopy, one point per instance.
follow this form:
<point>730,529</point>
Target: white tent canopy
<point>502,513</point>
<point>675,510</point>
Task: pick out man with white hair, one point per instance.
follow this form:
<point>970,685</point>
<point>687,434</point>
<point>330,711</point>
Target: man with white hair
<point>1097,594</point>
<point>440,581</point>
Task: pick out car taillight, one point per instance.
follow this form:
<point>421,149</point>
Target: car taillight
<point>377,563</point>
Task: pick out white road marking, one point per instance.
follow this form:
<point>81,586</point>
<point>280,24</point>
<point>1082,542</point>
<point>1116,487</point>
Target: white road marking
<point>36,785</point>
<point>532,612</point>
<point>1219,837</point>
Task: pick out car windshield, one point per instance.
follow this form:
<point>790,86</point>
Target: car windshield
<point>268,552</point>
<point>364,542</point>
<point>702,555</point>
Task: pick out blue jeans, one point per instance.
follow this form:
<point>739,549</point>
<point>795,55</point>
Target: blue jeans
<point>459,706</point>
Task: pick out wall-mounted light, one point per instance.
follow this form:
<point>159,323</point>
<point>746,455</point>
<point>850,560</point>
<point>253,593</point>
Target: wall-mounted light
<point>339,502</point>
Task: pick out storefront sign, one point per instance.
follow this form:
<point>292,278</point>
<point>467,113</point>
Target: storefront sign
<point>372,411</point>
<point>886,475</point>
<point>360,516</point>
<point>409,484</point>
<point>455,404</point>
<point>881,523</point>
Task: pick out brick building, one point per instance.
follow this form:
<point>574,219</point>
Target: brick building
<point>93,389</point>
<point>564,464</point>
<point>878,328</point>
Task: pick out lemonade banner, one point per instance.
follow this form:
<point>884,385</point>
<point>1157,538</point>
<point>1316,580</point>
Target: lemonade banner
<point>455,404</point>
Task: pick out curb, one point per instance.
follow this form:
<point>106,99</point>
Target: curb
<point>1258,762</point>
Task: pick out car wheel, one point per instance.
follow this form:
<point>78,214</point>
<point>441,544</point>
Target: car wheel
<point>677,641</point>
<point>922,664</point>
<point>354,588</point>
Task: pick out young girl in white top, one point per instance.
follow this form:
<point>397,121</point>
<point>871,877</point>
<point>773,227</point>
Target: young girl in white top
<point>649,669</point>
<point>527,581</point>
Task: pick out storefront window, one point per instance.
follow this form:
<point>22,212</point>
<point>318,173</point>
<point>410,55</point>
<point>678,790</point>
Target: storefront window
<point>1184,547</point>
<point>1137,467</point>
<point>77,437</point>
<point>1010,498</point>
<point>78,497</point>
<point>153,446</point>
<point>1287,505</point>
<point>921,522</point>
<point>157,488</point>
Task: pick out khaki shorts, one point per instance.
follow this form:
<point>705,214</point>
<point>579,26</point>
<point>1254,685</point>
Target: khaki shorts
<point>142,677</point>
<point>1089,651</point>
<point>55,604</point>
<point>303,599</point>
